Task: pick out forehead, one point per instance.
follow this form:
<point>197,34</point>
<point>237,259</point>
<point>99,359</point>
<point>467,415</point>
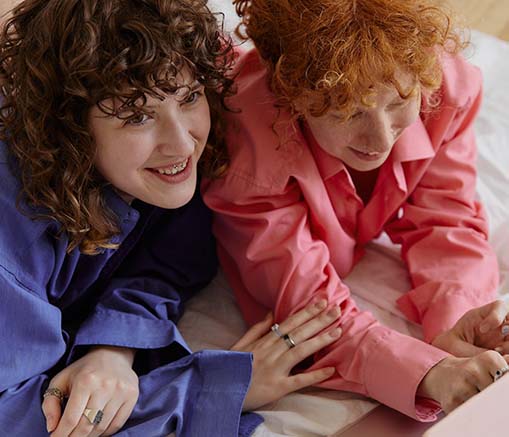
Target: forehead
<point>130,98</point>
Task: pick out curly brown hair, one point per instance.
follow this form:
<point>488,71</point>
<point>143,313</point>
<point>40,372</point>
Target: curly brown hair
<point>59,58</point>
<point>329,53</point>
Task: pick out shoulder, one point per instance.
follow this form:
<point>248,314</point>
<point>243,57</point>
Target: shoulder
<point>461,81</point>
<point>25,244</point>
<point>265,144</point>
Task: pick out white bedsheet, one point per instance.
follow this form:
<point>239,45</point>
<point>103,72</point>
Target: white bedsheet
<point>212,319</point>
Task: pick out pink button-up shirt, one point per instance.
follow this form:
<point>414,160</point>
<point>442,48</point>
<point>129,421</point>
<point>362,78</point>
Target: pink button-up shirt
<point>290,226</point>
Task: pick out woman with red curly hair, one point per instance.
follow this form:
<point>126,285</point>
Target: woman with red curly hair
<point>108,115</point>
<point>356,118</point>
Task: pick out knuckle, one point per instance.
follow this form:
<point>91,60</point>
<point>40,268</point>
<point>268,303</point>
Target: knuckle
<point>489,357</point>
<point>87,379</point>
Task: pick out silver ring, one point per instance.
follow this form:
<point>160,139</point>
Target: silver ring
<point>94,416</point>
<point>504,330</point>
<point>289,341</point>
<point>275,329</point>
<point>500,372</point>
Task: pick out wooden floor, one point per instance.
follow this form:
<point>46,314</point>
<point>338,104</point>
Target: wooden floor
<point>489,16</point>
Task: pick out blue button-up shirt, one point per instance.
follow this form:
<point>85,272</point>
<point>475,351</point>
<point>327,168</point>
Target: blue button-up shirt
<point>54,304</point>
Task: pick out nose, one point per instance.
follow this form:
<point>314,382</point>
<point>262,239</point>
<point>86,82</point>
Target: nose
<point>381,137</point>
<point>174,136</point>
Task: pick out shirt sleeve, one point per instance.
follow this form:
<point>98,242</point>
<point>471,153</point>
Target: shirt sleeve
<point>444,233</point>
<point>273,260</point>
<point>203,392</point>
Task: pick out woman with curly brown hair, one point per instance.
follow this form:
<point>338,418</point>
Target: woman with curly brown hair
<point>356,118</point>
<point>105,125</point>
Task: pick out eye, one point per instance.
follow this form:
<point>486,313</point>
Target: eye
<point>193,97</point>
<point>138,119</point>
<point>356,115</point>
<point>398,104</point>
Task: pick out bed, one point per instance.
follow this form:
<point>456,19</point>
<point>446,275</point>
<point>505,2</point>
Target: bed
<point>212,319</point>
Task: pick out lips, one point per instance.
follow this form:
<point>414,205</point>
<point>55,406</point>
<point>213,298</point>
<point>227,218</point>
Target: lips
<point>367,156</point>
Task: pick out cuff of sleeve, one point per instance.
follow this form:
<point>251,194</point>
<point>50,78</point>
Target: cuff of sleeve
<point>248,424</point>
<point>225,383</point>
<point>398,365</point>
<point>115,328</point>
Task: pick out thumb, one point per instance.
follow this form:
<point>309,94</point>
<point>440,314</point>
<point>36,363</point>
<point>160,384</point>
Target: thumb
<point>465,349</point>
<point>52,404</point>
<point>493,315</point>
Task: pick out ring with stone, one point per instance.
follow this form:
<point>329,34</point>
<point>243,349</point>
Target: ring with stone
<point>94,416</point>
<point>500,372</point>
<point>275,329</point>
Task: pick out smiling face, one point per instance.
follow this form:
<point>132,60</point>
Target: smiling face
<point>152,155</point>
<point>365,140</point>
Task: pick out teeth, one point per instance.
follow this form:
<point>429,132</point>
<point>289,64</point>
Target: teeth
<point>177,168</point>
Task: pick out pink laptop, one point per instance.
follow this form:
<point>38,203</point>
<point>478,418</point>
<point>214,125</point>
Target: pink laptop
<point>484,415</point>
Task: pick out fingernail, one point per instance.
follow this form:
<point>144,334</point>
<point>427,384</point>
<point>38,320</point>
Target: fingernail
<point>49,424</point>
<point>335,332</point>
<point>321,304</point>
<point>330,370</point>
<point>334,311</point>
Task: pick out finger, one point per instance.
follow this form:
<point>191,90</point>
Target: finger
<point>489,364</point>
<point>52,410</point>
<point>503,348</point>
<point>294,356</point>
<point>109,412</point>
<point>254,333</point>
<point>302,380</point>
<point>74,408</point>
<point>465,349</point>
<point>302,316</point>
<point>120,418</point>
<point>493,314</point>
<point>316,324</point>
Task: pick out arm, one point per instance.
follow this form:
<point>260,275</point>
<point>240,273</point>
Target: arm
<point>443,229</point>
<point>273,260</point>
<point>140,306</point>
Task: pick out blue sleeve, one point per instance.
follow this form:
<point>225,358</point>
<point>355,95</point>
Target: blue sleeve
<point>198,394</point>
<point>31,342</point>
<point>174,257</point>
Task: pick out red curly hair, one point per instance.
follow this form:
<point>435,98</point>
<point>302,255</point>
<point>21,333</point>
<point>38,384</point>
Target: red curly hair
<point>59,58</point>
<point>330,53</point>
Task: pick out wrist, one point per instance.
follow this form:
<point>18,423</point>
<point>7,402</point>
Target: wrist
<point>430,385</point>
<point>123,353</point>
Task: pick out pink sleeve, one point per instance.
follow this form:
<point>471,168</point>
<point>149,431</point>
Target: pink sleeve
<point>443,232</point>
<point>272,260</point>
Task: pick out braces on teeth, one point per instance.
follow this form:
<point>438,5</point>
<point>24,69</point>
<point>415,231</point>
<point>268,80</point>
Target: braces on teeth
<point>177,168</point>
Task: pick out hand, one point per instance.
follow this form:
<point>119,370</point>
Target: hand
<point>273,359</point>
<point>103,379</point>
<point>454,380</point>
<point>477,331</point>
